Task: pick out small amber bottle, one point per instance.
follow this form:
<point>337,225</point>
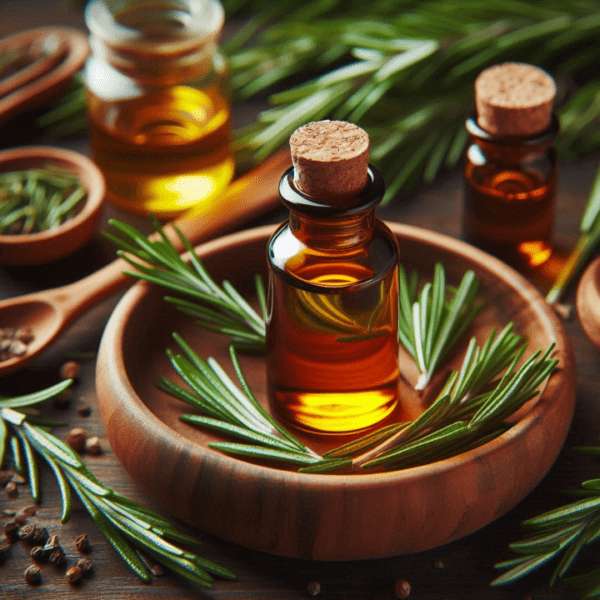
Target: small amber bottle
<point>332,327</point>
<point>158,104</point>
<point>511,167</point>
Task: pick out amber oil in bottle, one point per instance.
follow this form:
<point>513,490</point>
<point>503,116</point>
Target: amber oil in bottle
<point>157,103</point>
<point>511,167</point>
<point>332,330</point>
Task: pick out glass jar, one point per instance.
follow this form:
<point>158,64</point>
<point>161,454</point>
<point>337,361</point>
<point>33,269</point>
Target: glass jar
<point>158,105</point>
<point>332,325</point>
<point>510,186</point>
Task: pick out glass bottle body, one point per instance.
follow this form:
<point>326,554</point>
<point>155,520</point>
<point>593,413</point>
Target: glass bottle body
<point>332,330</point>
<point>158,105</point>
<point>509,198</point>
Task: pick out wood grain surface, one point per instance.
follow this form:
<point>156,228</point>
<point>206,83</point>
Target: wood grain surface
<point>460,570</point>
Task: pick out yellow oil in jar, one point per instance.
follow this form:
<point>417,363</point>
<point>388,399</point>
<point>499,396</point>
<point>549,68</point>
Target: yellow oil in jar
<point>164,152</point>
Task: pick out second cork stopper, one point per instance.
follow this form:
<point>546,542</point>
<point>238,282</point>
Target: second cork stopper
<point>330,158</point>
<point>514,99</point>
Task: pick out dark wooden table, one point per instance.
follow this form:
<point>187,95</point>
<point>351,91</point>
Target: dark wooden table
<point>461,570</point>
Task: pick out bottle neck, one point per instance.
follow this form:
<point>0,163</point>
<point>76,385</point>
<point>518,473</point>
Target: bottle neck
<point>511,149</point>
<point>334,223</point>
<point>156,43</point>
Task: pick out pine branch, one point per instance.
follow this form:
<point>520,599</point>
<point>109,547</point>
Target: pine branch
<point>126,524</point>
<point>563,532</point>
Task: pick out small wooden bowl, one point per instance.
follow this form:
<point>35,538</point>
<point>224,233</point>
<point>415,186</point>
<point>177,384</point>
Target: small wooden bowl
<point>48,77</point>
<point>47,246</point>
<point>588,301</point>
<point>328,517</point>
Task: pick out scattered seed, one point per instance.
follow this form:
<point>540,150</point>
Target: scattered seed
<point>5,477</point>
<point>63,400</point>
<point>92,446</point>
<point>82,543</point>
<point>27,533</point>
<point>87,567</point>
<point>53,542</point>
<point>402,589</point>
<point>33,575</point>
<point>313,588</point>
<point>76,439</point>
<point>84,410</point>
<point>70,370</point>
<point>39,554</point>
<point>438,564</point>
<point>18,479</point>
<point>40,536</point>
<point>14,343</point>
<point>11,531</point>
<point>57,557</point>
<point>28,511</point>
<point>11,489</point>
<point>74,574</point>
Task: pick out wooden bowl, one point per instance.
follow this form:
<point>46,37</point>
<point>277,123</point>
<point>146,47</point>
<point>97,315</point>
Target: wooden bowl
<point>330,517</point>
<point>47,77</point>
<point>588,301</point>
<point>52,244</point>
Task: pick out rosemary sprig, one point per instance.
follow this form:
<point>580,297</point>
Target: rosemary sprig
<point>471,408</point>
<point>407,71</point>
<point>432,323</point>
<point>131,529</point>
<point>232,410</point>
<point>218,308</point>
<point>589,238</point>
<point>563,532</point>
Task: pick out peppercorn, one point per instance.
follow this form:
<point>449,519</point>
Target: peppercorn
<point>11,531</point>
<point>40,535</point>
<point>70,370</point>
<point>33,575</point>
<point>76,439</point>
<point>84,410</point>
<point>62,401</point>
<point>86,566</point>
<point>92,445</point>
<point>82,543</point>
<point>27,532</point>
<point>402,589</point>
<point>74,574</point>
<point>57,557</point>
<point>313,588</point>
<point>11,490</point>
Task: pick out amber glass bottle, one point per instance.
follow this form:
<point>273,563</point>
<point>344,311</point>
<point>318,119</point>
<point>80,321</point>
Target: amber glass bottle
<point>157,103</point>
<point>332,330</point>
<point>511,167</point>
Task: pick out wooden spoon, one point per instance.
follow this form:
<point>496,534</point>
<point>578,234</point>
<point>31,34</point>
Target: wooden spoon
<point>47,313</point>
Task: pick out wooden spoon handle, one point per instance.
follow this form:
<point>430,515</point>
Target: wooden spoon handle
<point>251,195</point>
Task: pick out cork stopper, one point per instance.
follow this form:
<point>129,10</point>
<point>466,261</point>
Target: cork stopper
<point>330,158</point>
<point>514,99</point>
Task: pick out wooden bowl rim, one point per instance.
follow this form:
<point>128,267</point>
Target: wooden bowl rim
<point>83,167</point>
<point>38,91</point>
<point>129,303</point>
<point>587,301</point>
